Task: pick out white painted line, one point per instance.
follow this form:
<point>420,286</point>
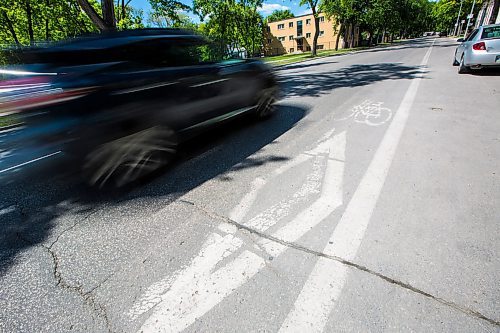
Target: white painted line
<point>350,231</point>
<point>194,295</point>
<point>29,162</point>
<point>177,301</point>
<point>316,298</point>
<point>214,250</point>
<point>323,287</point>
<point>330,199</point>
<point>241,210</point>
<point>280,210</point>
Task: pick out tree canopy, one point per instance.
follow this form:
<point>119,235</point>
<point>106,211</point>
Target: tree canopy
<point>278,15</point>
<point>235,25</point>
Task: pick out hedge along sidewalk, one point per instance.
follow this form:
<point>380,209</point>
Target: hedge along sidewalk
<point>296,58</point>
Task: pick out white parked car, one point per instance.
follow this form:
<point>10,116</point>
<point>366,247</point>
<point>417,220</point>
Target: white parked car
<point>480,49</point>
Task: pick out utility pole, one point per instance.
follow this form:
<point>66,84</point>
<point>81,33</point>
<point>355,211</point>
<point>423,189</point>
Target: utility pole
<point>458,18</point>
<point>469,17</point>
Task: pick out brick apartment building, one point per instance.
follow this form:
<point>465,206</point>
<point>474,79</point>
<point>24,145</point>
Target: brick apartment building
<point>295,35</point>
<point>489,13</point>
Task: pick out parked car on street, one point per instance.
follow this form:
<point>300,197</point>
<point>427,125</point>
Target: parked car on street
<point>480,49</point>
<point>123,101</point>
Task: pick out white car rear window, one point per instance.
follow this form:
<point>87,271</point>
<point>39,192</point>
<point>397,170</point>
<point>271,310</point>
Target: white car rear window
<point>491,32</point>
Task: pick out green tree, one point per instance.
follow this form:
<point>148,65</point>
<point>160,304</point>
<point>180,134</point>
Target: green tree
<point>348,14</point>
<point>128,17</point>
<point>278,15</point>
<point>444,13</point>
<point>249,26</point>
<point>232,24</point>
<point>168,11</point>
<point>181,20</point>
<point>26,22</point>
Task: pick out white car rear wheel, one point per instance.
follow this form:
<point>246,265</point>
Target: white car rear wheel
<point>462,69</point>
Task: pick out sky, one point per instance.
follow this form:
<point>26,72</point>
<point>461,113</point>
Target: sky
<point>267,8</point>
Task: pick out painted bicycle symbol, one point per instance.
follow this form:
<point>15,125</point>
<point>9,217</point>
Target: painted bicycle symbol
<point>369,113</point>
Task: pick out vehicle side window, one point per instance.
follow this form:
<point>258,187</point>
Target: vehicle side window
<point>172,53</point>
<point>471,35</point>
<point>491,32</point>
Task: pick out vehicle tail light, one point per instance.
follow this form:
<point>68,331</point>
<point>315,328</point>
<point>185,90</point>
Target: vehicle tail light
<point>33,99</point>
<point>481,46</point>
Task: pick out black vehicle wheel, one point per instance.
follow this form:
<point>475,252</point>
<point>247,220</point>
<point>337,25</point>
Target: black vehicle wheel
<point>265,105</point>
<point>126,160</point>
<point>462,69</point>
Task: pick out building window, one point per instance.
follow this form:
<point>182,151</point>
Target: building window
<point>308,48</point>
<point>281,26</point>
<point>290,25</point>
<point>281,39</point>
<point>319,47</point>
<point>290,37</point>
<point>321,33</point>
<point>269,41</point>
<point>308,21</point>
<point>322,19</point>
<point>308,35</point>
<point>292,50</point>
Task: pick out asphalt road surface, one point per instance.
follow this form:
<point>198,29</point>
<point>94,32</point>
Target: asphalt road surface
<point>369,202</point>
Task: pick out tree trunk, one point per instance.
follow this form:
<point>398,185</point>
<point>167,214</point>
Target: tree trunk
<point>108,14</point>
<point>30,22</point>
<point>47,33</point>
<point>94,17</point>
<point>352,36</point>
<point>123,10</point>
<point>10,26</point>
<point>337,41</point>
<point>345,36</point>
<point>223,35</point>
<point>316,30</point>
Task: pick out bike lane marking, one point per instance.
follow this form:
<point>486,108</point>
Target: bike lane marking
<point>324,285</point>
<point>330,199</point>
<point>242,209</point>
<point>180,299</point>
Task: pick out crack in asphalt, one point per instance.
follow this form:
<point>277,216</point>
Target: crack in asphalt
<point>73,226</point>
<point>87,296</point>
<point>349,263</point>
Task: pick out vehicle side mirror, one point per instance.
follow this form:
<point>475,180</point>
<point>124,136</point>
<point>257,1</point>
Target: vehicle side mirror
<point>460,40</point>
